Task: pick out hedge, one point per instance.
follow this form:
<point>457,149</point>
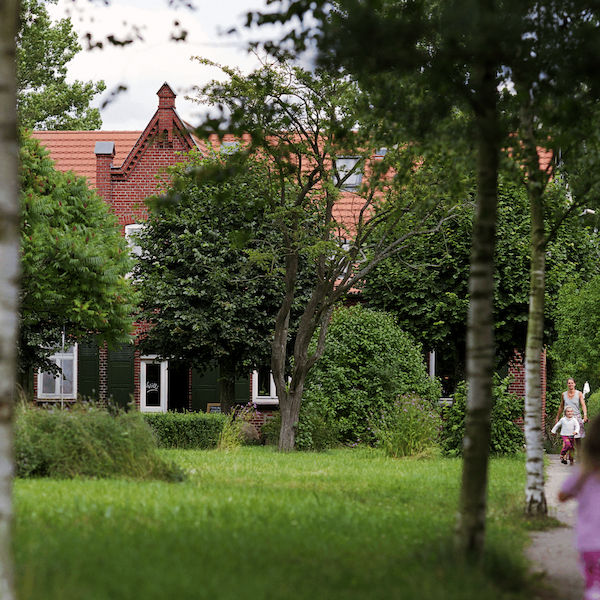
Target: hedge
<point>186,430</point>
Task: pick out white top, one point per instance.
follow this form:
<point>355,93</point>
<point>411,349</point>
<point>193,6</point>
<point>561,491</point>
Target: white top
<point>568,425</point>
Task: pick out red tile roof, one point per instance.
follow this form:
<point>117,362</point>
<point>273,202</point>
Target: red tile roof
<point>74,150</point>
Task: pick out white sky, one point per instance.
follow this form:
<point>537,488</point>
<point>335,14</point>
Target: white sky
<point>145,65</point>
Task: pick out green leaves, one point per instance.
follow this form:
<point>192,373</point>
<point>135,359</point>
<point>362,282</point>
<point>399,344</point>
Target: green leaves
<point>208,272</point>
<point>45,100</point>
<point>74,261</point>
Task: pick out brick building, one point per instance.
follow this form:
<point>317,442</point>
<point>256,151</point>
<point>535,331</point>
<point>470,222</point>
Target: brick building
<point>125,167</point>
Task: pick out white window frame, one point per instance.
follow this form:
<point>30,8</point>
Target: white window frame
<point>164,384</point>
<point>131,230</point>
<point>345,165</point>
<point>59,358</point>
<point>271,398</point>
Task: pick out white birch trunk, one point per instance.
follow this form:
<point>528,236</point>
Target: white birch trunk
<point>9,270</point>
<point>480,327</point>
<point>535,498</point>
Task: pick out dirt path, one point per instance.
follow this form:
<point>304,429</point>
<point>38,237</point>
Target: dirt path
<point>553,552</point>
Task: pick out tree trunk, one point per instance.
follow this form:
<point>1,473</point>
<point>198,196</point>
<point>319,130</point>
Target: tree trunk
<point>480,327</point>
<point>9,274</point>
<point>226,386</point>
<point>535,497</point>
<point>289,407</point>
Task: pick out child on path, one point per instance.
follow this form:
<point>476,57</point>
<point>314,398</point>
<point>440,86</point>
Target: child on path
<point>569,429</point>
<point>584,485</point>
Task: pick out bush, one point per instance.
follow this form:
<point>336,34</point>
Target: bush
<point>368,359</point>
<point>315,432</point>
<point>407,427</point>
<point>87,441</point>
<point>593,405</point>
<point>506,436</point>
<point>196,431</point>
<point>238,428</point>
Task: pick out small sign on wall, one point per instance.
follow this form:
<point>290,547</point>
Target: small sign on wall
<point>213,407</point>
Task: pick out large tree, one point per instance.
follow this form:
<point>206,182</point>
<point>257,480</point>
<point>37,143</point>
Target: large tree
<point>45,99</point>
<point>210,297</point>
<point>9,280</point>
<point>74,263</point>
<point>303,122</point>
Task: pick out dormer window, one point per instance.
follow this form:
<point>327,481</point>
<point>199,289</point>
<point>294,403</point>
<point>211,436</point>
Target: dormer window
<point>348,172</point>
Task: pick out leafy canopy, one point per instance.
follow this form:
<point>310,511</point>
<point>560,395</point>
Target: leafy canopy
<point>74,261</point>
<point>45,100</point>
<point>210,271</point>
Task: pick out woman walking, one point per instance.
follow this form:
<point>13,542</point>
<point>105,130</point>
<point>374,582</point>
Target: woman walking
<point>575,399</point>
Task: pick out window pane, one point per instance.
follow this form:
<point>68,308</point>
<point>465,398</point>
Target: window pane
<point>48,383</point>
<point>152,384</point>
<point>67,376</point>
<point>345,166</point>
<point>264,382</point>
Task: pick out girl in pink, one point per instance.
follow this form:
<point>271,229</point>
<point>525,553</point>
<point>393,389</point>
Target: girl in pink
<point>584,486</point>
<point>569,430</point>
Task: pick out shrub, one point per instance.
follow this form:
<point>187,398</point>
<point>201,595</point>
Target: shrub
<point>238,428</point>
<point>186,430</point>
<point>368,359</point>
<point>407,427</point>
<point>506,436</point>
<point>87,441</point>
<point>593,405</point>
<point>315,431</point>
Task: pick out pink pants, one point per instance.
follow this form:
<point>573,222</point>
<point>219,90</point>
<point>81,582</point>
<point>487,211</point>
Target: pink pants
<point>568,446</point>
<point>590,566</point>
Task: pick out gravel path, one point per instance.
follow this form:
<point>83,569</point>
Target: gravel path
<point>553,552</point>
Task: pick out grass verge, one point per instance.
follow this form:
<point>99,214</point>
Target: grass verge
<point>345,524</point>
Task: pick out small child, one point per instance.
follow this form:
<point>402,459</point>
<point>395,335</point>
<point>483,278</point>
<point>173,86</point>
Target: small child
<point>569,429</point>
<point>584,485</point>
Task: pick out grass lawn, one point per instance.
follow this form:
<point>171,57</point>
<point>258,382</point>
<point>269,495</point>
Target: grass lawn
<point>256,524</point>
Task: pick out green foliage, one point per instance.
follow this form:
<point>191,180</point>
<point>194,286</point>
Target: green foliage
<point>427,286</point>
<point>368,359</point>
<point>236,428</point>
<point>506,436</point>
<point>87,441</point>
<point>316,431</point>
<point>207,295</point>
<point>74,262</point>
<point>186,430</point>
<point>45,100</point>
<point>576,352</point>
<point>593,405</point>
<point>406,427</point>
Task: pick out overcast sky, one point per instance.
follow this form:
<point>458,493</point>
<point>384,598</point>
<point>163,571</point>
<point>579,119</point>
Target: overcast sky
<point>145,65</point>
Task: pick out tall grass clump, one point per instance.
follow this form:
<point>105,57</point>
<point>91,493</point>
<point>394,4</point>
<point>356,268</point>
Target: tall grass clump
<point>87,441</point>
<point>238,429</point>
<point>407,427</point>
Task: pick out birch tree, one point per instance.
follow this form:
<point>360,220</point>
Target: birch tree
<point>9,273</point>
<point>556,90</point>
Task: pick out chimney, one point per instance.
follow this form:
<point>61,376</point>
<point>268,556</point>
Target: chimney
<point>105,153</point>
